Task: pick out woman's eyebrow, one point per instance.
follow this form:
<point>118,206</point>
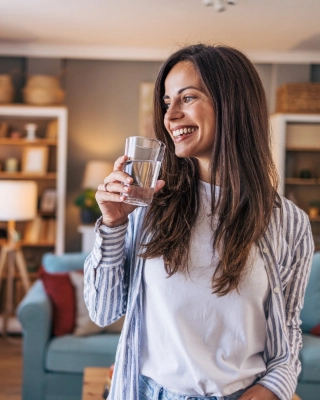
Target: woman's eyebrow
<point>180,91</point>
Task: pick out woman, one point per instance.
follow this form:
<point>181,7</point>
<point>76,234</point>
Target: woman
<point>212,275</point>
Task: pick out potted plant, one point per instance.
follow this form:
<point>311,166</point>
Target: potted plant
<point>89,209</point>
<point>314,208</point>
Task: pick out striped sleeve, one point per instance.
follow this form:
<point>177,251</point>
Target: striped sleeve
<point>283,371</point>
<point>105,287</point>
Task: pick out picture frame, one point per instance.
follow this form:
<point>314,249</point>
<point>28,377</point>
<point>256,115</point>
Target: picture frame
<point>35,160</point>
<point>146,109</point>
<point>48,201</point>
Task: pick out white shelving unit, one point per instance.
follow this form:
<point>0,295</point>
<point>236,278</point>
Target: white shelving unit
<point>16,116</point>
<point>296,148</point>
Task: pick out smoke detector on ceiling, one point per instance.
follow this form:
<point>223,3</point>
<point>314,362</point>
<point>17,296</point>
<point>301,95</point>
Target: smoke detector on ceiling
<point>219,5</point>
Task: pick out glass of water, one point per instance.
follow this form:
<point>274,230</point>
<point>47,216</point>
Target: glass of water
<point>143,165</point>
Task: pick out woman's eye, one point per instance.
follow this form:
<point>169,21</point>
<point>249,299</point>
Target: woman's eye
<point>187,99</point>
<point>166,105</point>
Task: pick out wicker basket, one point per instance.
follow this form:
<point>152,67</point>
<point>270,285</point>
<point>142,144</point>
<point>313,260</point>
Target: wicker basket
<point>298,98</point>
<point>43,90</point>
<point>6,89</point>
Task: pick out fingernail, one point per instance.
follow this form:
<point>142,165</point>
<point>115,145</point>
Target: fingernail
<point>129,179</point>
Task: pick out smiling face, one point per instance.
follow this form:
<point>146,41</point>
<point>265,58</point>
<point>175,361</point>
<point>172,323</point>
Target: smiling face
<point>190,115</point>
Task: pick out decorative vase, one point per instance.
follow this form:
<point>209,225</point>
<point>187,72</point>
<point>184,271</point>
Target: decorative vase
<point>31,131</point>
<point>88,216</point>
<point>6,89</point>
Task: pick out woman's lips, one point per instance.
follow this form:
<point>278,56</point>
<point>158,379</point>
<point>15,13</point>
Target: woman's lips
<point>181,132</point>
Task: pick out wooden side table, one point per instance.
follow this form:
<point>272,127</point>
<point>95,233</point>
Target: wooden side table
<point>94,381</point>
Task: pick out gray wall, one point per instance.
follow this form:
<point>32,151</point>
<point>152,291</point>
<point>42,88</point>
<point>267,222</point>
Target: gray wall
<point>102,98</point>
<point>315,73</point>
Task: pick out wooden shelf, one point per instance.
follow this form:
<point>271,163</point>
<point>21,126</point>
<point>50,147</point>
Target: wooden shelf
<point>23,243</point>
<point>47,214</point>
<point>306,149</point>
<point>25,142</point>
<point>38,244</point>
<point>22,175</point>
<point>300,181</point>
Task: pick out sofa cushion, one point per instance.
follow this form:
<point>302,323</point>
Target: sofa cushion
<point>310,314</point>
<point>309,357</point>
<point>63,263</point>
<point>72,354</point>
<point>84,326</point>
<point>65,290</point>
<point>61,293</point>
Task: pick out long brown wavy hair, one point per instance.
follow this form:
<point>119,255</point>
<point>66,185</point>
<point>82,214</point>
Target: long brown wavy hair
<point>241,163</point>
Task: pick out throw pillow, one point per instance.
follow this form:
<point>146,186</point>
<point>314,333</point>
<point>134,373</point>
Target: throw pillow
<point>61,293</point>
<point>316,330</point>
<point>84,326</point>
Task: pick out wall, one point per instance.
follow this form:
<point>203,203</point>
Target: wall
<point>103,97</point>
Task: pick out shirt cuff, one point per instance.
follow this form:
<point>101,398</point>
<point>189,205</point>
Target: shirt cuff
<point>108,244</point>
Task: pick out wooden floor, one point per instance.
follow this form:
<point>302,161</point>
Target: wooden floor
<point>10,368</point>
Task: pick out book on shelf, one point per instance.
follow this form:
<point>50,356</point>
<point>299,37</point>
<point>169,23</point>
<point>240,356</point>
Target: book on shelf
<point>40,230</point>
<point>32,230</point>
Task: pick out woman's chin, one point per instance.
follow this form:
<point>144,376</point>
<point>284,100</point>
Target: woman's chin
<point>182,151</point>
<point>182,154</point>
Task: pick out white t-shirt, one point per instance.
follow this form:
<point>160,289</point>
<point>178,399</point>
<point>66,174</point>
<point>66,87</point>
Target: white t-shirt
<point>194,342</point>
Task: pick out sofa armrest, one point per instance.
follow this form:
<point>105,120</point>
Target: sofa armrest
<point>35,313</point>
<point>35,316</point>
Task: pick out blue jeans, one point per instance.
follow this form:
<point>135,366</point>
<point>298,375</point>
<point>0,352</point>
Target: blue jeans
<point>150,390</point>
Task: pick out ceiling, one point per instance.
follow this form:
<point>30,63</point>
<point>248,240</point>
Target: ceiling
<point>151,29</point>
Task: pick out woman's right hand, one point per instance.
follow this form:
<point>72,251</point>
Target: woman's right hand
<point>110,201</point>
<point>109,198</point>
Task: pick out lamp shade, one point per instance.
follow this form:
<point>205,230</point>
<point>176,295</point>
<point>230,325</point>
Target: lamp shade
<point>18,200</point>
<point>95,172</point>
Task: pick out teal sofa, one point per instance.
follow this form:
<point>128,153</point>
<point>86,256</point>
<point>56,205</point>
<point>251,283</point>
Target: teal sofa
<point>309,379</point>
<point>53,366</point>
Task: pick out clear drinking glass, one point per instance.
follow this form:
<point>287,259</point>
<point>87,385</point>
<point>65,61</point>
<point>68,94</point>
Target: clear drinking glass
<point>145,156</point>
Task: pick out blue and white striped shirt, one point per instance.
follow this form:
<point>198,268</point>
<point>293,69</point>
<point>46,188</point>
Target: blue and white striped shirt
<point>113,287</point>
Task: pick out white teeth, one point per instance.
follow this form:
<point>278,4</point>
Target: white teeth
<point>183,131</point>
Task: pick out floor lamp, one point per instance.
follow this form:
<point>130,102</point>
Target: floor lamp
<point>18,202</point>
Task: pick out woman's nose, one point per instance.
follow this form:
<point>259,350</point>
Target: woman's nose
<point>174,111</point>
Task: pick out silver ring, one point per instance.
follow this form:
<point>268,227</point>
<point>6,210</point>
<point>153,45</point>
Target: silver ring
<point>106,185</point>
